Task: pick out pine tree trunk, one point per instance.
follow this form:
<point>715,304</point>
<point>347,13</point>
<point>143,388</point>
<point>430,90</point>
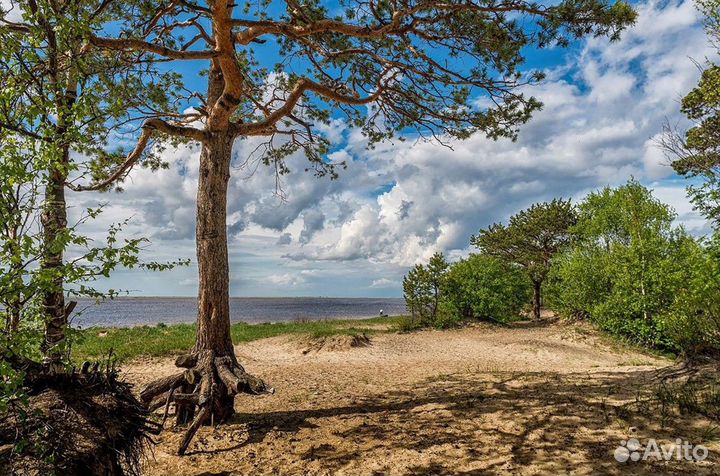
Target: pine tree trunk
<point>213,323</point>
<point>536,299</point>
<point>204,392</point>
<point>213,332</point>
<point>54,222</point>
<point>54,216</point>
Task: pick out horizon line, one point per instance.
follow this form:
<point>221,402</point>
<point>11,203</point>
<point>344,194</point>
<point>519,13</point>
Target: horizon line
<point>242,297</point>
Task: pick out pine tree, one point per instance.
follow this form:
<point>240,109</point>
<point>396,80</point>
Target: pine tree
<point>530,240</point>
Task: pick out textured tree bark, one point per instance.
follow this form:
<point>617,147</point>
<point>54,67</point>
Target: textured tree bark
<point>213,323</point>
<point>204,393</point>
<point>213,331</point>
<point>54,222</point>
<point>536,299</point>
<point>54,216</point>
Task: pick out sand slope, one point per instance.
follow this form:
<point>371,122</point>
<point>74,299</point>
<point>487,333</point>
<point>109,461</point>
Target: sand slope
<point>533,398</point>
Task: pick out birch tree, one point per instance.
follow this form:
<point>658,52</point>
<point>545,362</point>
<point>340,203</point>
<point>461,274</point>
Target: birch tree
<point>61,102</point>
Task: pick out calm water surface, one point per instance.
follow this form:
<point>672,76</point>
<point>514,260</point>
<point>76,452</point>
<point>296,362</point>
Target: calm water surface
<point>134,311</point>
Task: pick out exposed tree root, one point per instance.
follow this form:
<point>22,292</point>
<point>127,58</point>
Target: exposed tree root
<point>203,393</point>
<point>83,421</point>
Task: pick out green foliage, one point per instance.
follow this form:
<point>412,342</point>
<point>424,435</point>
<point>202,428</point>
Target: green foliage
<point>577,282</point>
<point>60,93</point>
<point>416,291</point>
<point>447,315</point>
<point>22,282</point>
<point>422,289</point>
<point>696,153</point>
<point>692,323</point>
<point>530,240</point>
<point>630,271</point>
<point>20,203</point>
<point>23,343</point>
<point>485,287</point>
<point>407,323</point>
<point>531,237</point>
<point>430,97</point>
<point>61,99</point>
<point>479,287</point>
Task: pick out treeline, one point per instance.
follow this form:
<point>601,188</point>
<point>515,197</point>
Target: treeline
<point>616,259</point>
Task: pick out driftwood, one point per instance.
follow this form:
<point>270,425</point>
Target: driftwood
<point>201,394</point>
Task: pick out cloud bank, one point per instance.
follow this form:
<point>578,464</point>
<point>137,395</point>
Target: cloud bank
<point>397,204</point>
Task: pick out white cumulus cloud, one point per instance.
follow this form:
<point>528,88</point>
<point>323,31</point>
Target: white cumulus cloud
<point>397,204</point>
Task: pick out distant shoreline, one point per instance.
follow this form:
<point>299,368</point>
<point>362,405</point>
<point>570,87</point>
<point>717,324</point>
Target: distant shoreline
<point>124,297</point>
<point>132,311</point>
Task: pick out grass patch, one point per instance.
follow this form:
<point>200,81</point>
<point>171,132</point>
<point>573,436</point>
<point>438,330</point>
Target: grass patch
<point>616,342</point>
<point>690,398</point>
<point>162,340</point>
<point>622,344</point>
<point>408,324</point>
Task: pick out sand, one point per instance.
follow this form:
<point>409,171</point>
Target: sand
<point>534,398</point>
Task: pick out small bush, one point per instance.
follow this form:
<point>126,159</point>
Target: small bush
<point>447,315</point>
<point>408,323</point>
<point>484,287</point>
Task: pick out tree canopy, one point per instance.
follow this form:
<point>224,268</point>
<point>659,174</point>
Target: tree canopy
<point>285,68</point>
<point>530,239</point>
<point>696,152</point>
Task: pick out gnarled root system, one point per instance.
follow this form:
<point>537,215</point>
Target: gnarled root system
<point>203,393</point>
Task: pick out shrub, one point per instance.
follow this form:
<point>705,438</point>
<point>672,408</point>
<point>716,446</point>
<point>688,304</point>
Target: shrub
<point>408,323</point>
<point>638,277</point>
<point>422,289</point>
<point>484,287</point>
<point>447,316</point>
<point>692,323</point>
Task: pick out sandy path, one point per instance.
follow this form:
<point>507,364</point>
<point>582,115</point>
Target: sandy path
<point>523,400</point>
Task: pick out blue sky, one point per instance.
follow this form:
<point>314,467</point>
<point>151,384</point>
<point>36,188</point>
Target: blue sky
<point>394,206</point>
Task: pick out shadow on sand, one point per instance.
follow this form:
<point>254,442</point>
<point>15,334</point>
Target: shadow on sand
<point>473,423</point>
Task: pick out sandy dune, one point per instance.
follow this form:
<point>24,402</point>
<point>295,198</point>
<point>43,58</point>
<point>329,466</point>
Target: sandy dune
<point>534,398</point>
